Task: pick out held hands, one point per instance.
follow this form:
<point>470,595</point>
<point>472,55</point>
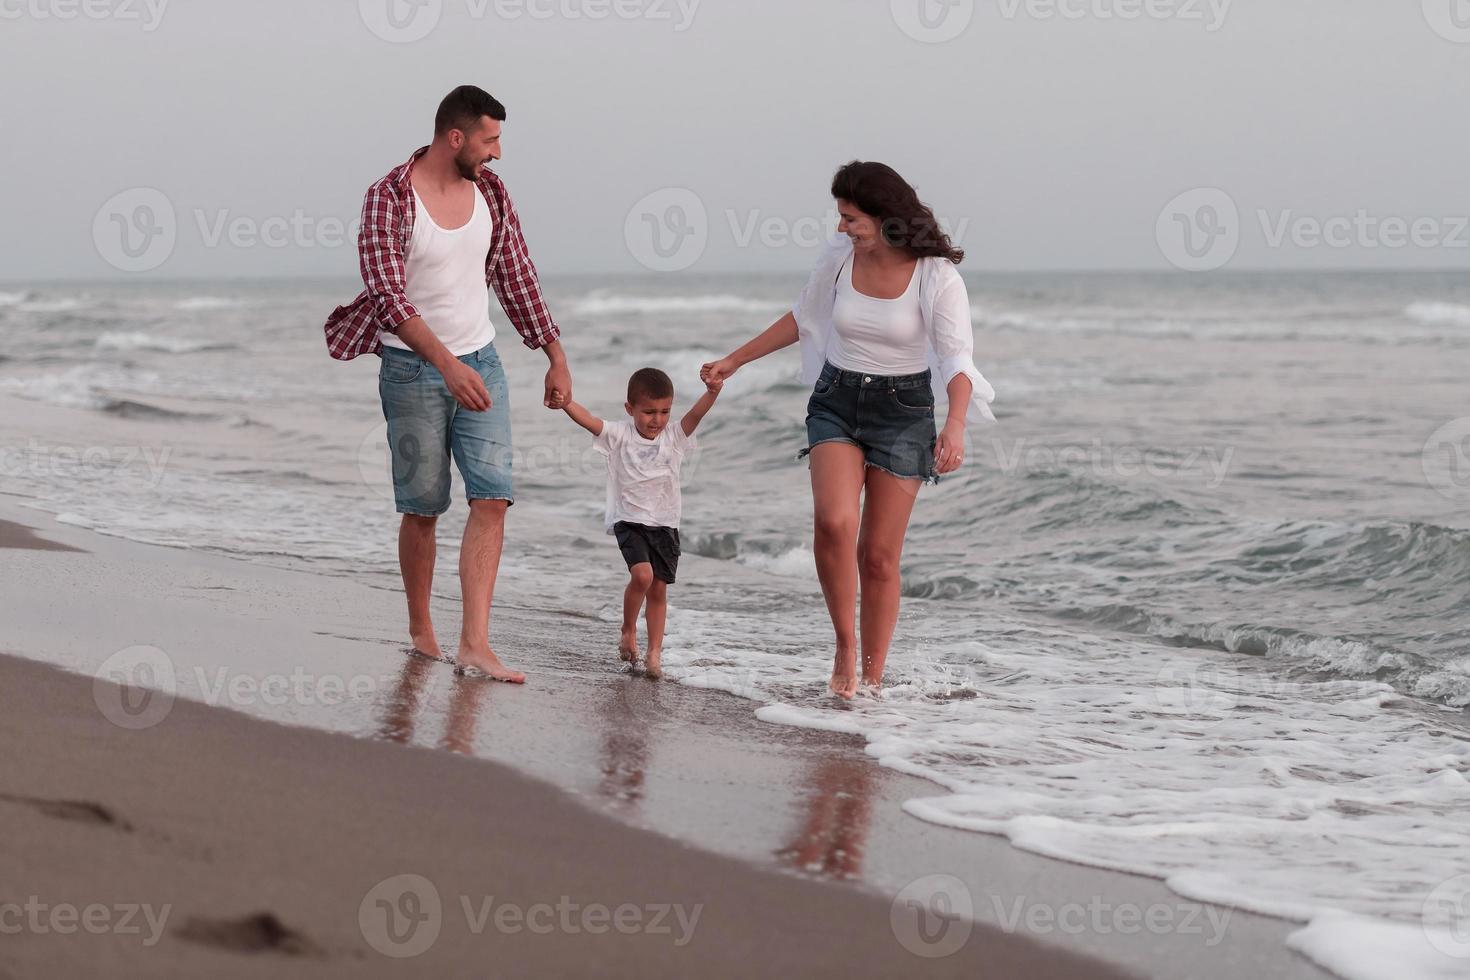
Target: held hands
<point>712,384</point>
<point>949,448</point>
<point>717,371</point>
<point>558,386</point>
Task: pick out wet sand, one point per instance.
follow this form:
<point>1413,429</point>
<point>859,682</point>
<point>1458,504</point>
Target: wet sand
<point>796,837</point>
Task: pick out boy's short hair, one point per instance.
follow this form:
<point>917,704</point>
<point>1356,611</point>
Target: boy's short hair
<point>649,383</point>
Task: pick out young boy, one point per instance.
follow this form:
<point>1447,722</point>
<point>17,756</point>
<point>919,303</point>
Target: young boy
<point>644,455</point>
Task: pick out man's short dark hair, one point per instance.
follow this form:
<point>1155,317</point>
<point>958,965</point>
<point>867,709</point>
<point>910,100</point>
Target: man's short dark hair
<point>649,383</point>
<point>463,108</point>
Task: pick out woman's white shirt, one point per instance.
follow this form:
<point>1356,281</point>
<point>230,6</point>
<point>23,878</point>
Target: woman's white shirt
<point>944,306</point>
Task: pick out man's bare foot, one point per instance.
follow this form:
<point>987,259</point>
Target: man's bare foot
<point>844,680</point>
<point>486,662</point>
<point>426,643</point>
<point>628,646</point>
<point>655,668</point>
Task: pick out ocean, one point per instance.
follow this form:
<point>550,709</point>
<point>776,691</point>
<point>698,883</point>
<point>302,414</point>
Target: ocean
<point>1195,608</point>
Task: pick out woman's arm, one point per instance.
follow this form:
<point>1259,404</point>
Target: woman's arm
<point>780,334</point>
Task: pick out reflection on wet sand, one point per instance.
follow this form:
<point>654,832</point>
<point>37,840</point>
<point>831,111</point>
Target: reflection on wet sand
<point>831,840</point>
<point>416,678</point>
<point>625,712</point>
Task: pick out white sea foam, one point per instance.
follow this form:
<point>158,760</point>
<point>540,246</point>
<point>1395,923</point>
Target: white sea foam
<point>12,299</point>
<point>1359,948</point>
<point>194,303</point>
<point>1292,798</point>
<point>1440,314</point>
<point>64,304</point>
<point>138,340</point>
<point>604,304</point>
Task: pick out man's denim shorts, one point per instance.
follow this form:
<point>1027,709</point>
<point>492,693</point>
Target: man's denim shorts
<point>889,417</point>
<point>426,426</point>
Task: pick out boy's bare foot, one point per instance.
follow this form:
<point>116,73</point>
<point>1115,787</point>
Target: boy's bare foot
<point>628,646</point>
<point>426,643</point>
<point>486,662</point>
<point>844,680</point>
<point>655,668</point>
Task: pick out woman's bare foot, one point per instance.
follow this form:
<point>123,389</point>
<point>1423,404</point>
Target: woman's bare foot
<point>425,642</point>
<point>655,668</point>
<point>486,662</point>
<point>844,680</point>
<point>628,646</point>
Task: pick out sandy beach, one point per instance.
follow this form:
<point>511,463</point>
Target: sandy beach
<point>266,840</point>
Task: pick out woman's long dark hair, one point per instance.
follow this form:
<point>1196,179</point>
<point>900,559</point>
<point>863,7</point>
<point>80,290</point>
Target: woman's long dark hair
<point>905,222</point>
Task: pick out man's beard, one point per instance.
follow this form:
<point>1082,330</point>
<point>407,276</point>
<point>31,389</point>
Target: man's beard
<point>467,169</point>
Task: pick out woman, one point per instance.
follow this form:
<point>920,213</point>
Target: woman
<point>884,318</point>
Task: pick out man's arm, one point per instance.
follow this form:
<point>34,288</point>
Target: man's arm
<point>699,409</point>
<point>518,288</point>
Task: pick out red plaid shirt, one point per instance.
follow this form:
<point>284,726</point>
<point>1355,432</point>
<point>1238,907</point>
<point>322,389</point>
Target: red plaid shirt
<point>387,228</point>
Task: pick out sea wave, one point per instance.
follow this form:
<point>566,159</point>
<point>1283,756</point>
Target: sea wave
<point>138,340</point>
<point>604,304</point>
<point>13,299</point>
<point>1439,313</point>
<point>193,303</point>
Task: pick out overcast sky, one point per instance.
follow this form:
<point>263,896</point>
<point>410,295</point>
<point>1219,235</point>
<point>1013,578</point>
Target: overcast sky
<point>1054,134</point>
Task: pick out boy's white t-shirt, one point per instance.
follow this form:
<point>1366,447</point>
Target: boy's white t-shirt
<point>643,474</point>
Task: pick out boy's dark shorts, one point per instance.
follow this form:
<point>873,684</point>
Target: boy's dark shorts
<point>659,546</point>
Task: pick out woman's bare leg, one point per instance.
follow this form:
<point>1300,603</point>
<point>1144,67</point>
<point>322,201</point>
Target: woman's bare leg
<point>886,512</point>
<point>837,483</point>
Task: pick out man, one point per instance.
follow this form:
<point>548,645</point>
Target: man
<point>437,232</point>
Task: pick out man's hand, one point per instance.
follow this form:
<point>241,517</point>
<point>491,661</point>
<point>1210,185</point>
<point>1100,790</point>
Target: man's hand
<point>466,385</point>
<point>558,386</point>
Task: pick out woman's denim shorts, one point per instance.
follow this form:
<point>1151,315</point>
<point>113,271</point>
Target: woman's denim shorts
<point>426,426</point>
<point>889,417</point>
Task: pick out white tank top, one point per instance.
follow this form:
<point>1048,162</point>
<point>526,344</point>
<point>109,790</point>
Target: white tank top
<point>445,278</point>
<point>878,336</point>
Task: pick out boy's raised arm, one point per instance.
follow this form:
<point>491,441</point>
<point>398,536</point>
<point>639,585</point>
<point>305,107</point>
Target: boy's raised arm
<point>581,416</point>
<point>699,409</point>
